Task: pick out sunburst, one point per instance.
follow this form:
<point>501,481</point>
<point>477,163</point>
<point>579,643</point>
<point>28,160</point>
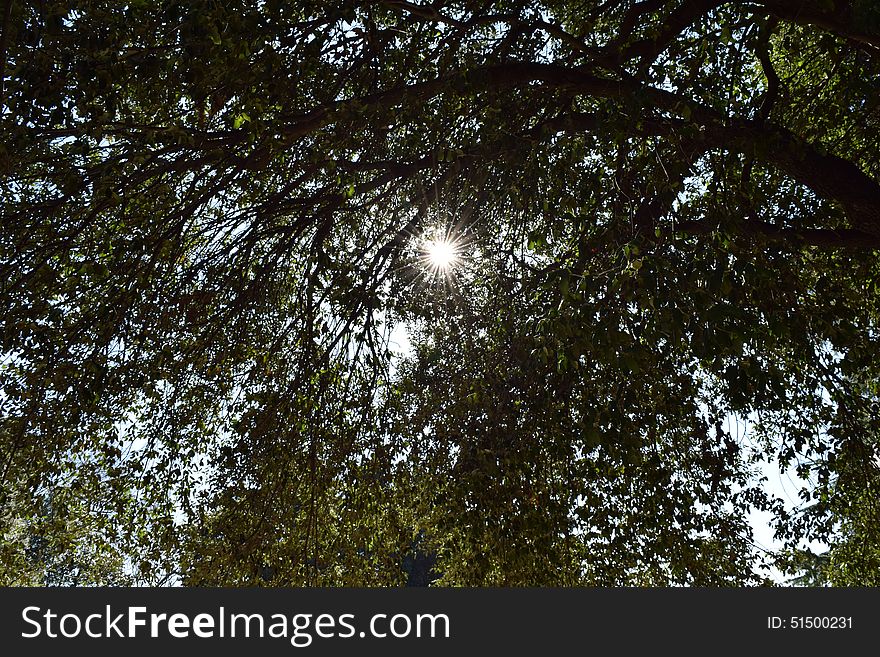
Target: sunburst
<point>440,253</point>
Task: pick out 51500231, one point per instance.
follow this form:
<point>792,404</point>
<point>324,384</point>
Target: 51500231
<point>810,623</point>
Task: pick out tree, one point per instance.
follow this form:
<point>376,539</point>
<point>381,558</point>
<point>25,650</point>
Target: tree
<point>662,215</point>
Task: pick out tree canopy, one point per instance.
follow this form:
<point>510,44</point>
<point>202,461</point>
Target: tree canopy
<point>227,357</point>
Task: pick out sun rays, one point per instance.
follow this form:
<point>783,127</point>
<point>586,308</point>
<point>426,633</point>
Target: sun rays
<point>440,255</point>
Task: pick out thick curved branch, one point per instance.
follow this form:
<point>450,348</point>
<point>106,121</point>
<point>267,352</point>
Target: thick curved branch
<point>829,176</point>
<point>842,17</point>
<point>819,237</point>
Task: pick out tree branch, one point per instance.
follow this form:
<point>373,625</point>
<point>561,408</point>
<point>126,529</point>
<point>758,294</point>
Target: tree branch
<point>820,237</point>
<point>837,17</point>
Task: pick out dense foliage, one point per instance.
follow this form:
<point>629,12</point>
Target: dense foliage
<point>225,359</point>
